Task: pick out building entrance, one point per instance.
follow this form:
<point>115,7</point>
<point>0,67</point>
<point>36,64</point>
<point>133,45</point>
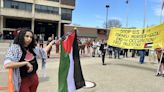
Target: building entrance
<point>48,29</point>
<point>10,24</point>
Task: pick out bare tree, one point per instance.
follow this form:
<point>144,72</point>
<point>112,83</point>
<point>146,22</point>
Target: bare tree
<point>112,23</point>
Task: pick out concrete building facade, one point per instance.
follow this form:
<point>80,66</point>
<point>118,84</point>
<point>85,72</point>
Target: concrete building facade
<point>41,16</point>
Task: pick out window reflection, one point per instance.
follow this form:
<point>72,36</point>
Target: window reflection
<point>68,2</point>
<point>17,5</point>
<point>46,9</point>
<point>54,0</point>
<point>66,14</point>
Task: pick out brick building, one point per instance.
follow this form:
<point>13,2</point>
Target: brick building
<point>87,32</point>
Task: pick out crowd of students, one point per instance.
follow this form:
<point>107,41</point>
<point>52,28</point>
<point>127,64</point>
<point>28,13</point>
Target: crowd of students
<point>100,49</point>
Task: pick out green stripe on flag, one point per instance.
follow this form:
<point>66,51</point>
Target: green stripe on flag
<point>63,71</point>
<point>70,72</point>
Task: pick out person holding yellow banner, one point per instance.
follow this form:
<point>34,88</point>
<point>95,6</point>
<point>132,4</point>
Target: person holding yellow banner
<point>142,56</point>
<point>22,58</point>
<point>161,61</point>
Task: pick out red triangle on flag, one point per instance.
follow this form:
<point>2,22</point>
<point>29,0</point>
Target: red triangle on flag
<point>67,43</point>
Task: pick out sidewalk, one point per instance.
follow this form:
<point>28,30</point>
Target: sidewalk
<point>119,75</point>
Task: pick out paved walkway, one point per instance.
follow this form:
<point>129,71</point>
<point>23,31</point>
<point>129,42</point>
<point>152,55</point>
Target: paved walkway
<point>119,75</point>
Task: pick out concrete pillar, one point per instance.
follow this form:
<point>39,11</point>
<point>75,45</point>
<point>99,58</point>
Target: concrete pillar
<point>33,16</point>
<point>0,17</point>
<point>32,24</point>
<point>1,24</point>
<point>59,29</point>
<point>59,23</point>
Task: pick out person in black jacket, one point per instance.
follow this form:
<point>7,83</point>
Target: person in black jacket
<point>103,48</point>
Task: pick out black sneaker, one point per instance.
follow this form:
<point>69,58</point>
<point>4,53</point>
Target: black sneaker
<point>159,74</point>
<point>48,56</point>
<point>103,64</point>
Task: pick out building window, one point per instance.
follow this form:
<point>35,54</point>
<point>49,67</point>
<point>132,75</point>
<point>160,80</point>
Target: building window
<point>17,5</point>
<point>7,4</point>
<point>22,6</point>
<point>54,0</point>
<point>68,2</point>
<point>28,7</point>
<point>47,9</point>
<point>66,14</point>
<point>14,5</point>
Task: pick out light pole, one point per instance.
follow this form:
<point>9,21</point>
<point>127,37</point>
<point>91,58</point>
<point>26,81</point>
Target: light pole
<point>145,11</point>
<point>144,21</point>
<point>107,6</point>
<point>162,3</point>
<point>127,13</point>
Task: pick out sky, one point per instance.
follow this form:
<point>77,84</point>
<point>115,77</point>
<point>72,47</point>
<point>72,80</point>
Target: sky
<point>92,13</point>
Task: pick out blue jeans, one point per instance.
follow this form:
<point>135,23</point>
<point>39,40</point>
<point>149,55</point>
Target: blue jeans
<point>142,56</point>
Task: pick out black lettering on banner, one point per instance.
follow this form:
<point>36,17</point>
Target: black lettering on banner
<point>136,40</point>
<point>118,40</point>
<point>122,35</point>
<point>138,36</point>
<point>135,31</point>
<point>125,31</point>
<point>153,34</point>
<point>131,44</point>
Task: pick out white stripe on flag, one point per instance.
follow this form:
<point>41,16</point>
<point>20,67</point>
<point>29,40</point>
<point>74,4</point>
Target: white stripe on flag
<point>70,77</point>
<point>148,45</point>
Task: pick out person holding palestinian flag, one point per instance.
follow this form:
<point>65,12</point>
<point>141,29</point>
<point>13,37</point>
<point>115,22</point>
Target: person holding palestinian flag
<point>22,58</point>
<point>160,57</point>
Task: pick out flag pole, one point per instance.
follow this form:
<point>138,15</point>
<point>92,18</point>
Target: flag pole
<point>161,10</point>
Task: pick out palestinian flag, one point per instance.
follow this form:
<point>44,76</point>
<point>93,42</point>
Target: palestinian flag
<point>148,45</point>
<point>70,74</point>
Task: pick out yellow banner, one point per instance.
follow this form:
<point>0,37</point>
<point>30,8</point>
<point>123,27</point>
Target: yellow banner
<point>137,38</point>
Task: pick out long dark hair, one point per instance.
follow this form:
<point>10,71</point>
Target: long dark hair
<point>19,39</point>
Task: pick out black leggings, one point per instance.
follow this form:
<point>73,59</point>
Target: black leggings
<point>161,61</point>
<point>103,57</point>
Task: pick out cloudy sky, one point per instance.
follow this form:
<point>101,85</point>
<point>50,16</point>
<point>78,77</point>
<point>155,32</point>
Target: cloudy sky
<point>92,13</point>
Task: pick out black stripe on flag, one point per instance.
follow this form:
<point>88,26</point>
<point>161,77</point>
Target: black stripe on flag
<point>78,75</point>
<point>148,45</point>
